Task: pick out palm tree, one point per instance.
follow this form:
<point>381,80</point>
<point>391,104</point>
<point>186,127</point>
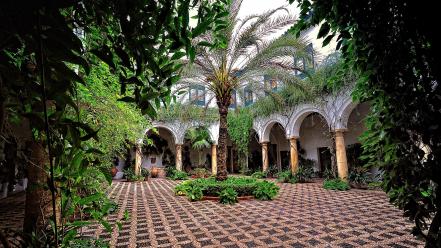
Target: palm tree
<point>199,139</point>
<point>247,57</point>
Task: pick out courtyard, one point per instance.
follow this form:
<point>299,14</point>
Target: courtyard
<point>227,123</point>
<point>303,215</point>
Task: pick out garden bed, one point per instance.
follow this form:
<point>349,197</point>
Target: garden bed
<point>217,198</point>
<point>229,191</point>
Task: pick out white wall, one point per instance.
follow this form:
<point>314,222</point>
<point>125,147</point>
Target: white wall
<point>356,124</point>
<point>313,134</point>
<point>278,137</point>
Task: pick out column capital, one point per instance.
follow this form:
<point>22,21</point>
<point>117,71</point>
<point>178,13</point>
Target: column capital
<point>264,142</point>
<point>340,130</point>
<point>293,138</point>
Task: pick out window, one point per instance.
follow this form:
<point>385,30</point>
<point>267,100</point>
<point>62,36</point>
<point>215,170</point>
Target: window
<point>303,63</point>
<point>233,100</point>
<point>197,95</point>
<point>270,83</point>
<point>248,93</point>
<point>308,16</point>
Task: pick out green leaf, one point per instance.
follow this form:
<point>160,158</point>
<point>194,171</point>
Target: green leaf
<point>328,39</point>
<point>200,28</point>
<point>192,54</point>
<point>178,55</point>
<point>127,99</point>
<point>324,30</point>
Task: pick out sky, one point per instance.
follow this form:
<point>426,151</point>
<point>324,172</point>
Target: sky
<point>259,6</point>
<point>250,7</point>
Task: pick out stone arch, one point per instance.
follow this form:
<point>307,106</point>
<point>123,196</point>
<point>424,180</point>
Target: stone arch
<point>160,125</point>
<point>213,130</point>
<point>266,130</point>
<point>344,112</point>
<point>293,130</point>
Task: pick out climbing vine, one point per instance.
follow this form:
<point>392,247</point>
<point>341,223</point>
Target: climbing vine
<point>187,113</point>
<point>240,123</point>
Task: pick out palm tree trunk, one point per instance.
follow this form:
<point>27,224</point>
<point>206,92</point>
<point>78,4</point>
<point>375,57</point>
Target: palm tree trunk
<point>2,105</point>
<point>38,199</point>
<point>222,144</point>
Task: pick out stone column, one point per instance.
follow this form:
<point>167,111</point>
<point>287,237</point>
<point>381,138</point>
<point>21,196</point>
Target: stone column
<point>294,155</point>
<point>265,158</point>
<point>213,159</point>
<point>138,159</point>
<point>340,150</point>
<point>179,157</point>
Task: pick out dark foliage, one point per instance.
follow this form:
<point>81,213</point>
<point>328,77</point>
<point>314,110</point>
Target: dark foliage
<point>394,44</point>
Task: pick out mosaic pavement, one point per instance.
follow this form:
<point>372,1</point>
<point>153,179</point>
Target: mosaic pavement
<point>303,215</point>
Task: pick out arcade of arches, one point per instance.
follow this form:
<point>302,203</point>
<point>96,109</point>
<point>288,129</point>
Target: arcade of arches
<point>270,146</point>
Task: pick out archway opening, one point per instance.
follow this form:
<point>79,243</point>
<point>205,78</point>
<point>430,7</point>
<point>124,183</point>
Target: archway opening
<point>355,127</point>
<point>254,153</point>
<point>315,143</point>
<point>196,151</point>
<point>278,149</point>
<point>158,150</point>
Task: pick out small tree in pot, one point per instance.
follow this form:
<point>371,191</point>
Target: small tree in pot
<point>199,139</point>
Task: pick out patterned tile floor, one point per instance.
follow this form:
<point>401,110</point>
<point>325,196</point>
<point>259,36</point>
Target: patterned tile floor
<point>303,215</point>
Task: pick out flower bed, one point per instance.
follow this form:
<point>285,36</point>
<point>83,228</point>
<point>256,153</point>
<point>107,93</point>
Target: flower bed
<point>228,191</point>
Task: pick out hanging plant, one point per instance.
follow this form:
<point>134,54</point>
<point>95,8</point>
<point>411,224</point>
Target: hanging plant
<point>239,127</point>
<point>156,146</point>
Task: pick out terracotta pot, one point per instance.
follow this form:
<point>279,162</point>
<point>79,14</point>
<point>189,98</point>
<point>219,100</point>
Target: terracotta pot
<point>162,173</point>
<point>114,170</point>
<point>358,186</point>
<point>154,172</point>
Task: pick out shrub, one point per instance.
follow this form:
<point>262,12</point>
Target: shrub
<point>131,176</point>
<point>266,190</point>
<point>284,176</point>
<point>200,173</point>
<point>259,174</point>
<point>228,196</point>
<point>375,185</point>
<point>293,180</point>
<point>328,174</point>
<point>178,175</point>
<point>194,193</point>
<point>145,172</point>
<point>246,171</point>
<point>360,176</point>
<point>182,188</point>
<point>304,174</point>
<point>169,171</point>
<point>336,184</point>
<point>272,172</point>
<point>243,186</point>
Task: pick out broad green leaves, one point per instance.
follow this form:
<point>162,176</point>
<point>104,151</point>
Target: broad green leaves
<point>390,44</point>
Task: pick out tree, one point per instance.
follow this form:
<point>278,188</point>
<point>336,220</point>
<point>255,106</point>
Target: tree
<point>394,46</point>
<point>199,139</point>
<point>42,59</point>
<point>246,58</point>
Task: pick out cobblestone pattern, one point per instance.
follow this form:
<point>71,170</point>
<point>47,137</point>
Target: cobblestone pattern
<point>303,215</point>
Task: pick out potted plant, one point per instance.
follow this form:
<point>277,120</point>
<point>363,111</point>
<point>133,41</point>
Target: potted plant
<point>131,176</point>
<point>154,172</point>
<point>114,170</point>
<point>359,178</point>
<point>199,173</point>
<point>145,173</point>
<point>199,139</point>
